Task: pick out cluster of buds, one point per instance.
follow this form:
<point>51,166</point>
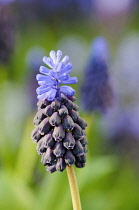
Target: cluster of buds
<point>60,133</point>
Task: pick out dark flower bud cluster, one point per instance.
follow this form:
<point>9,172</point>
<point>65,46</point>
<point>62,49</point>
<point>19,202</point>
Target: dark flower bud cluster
<point>59,130</point>
<point>60,133</point>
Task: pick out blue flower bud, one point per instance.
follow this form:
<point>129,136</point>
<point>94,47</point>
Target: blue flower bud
<point>63,111</point>
<point>77,131</point>
<point>48,140</point>
<point>58,149</point>
<point>40,147</point>
<point>55,119</point>
<point>85,149</point>
<point>47,157</point>
<point>78,149</point>
<point>81,122</point>
<point>39,117</point>
<point>83,141</point>
<point>81,158</point>
<point>48,111</point>
<point>68,123</point>
<point>72,98</point>
<point>62,98</point>
<point>69,141</point>
<point>44,126</point>
<point>35,135</point>
<point>75,107</point>
<point>79,165</point>
<point>60,165</point>
<point>42,103</point>
<point>55,104</point>
<point>59,133</point>
<point>51,168</point>
<point>69,104</point>
<point>69,158</point>
<point>74,115</point>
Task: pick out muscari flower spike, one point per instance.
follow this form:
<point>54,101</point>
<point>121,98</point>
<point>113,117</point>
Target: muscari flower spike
<point>96,82</point>
<point>59,130</point>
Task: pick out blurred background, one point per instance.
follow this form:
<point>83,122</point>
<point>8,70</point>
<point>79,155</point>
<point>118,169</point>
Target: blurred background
<point>101,37</point>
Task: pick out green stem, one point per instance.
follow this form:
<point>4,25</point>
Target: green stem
<point>74,188</point>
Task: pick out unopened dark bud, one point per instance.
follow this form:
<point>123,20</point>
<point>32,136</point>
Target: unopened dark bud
<point>59,133</point>
<point>75,107</point>
<point>47,157</point>
<point>62,98</point>
<point>48,111</point>
<point>69,158</point>
<point>69,141</point>
<point>85,149</point>
<point>48,140</point>
<point>35,135</point>
<point>55,119</point>
<point>61,165</point>
<point>44,126</point>
<point>68,123</point>
<point>81,122</point>
<point>63,111</point>
<point>74,115</point>
<point>39,117</point>
<point>72,98</point>
<point>83,141</point>
<point>77,131</point>
<point>79,165</point>
<point>69,104</point>
<point>40,104</point>
<point>78,149</point>
<point>81,158</point>
<point>59,150</point>
<point>40,147</point>
<point>55,104</point>
<point>43,103</point>
<point>51,168</point>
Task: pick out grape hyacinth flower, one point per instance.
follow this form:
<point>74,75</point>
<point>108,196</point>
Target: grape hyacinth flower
<point>96,91</point>
<point>59,130</point>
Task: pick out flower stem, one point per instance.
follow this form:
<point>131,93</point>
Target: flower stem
<point>74,188</point>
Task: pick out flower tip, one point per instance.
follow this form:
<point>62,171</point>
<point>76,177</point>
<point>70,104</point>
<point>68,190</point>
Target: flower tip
<point>44,59</point>
<point>53,55</point>
<point>52,52</point>
<point>59,53</point>
<point>100,47</point>
<point>76,80</point>
<point>37,77</point>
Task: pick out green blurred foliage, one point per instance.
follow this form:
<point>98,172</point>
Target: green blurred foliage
<point>106,183</point>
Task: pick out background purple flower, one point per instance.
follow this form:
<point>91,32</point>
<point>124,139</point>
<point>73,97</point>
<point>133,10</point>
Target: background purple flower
<point>96,92</point>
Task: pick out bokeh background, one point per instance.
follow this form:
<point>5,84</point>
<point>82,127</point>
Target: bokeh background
<point>28,31</point>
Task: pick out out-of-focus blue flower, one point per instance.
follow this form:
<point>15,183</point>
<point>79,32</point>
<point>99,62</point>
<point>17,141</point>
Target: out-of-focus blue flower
<point>57,73</point>
<point>50,10</point>
<point>96,91</point>
<point>115,7</point>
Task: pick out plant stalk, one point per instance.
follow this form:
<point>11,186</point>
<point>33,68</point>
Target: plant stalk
<point>74,188</point>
